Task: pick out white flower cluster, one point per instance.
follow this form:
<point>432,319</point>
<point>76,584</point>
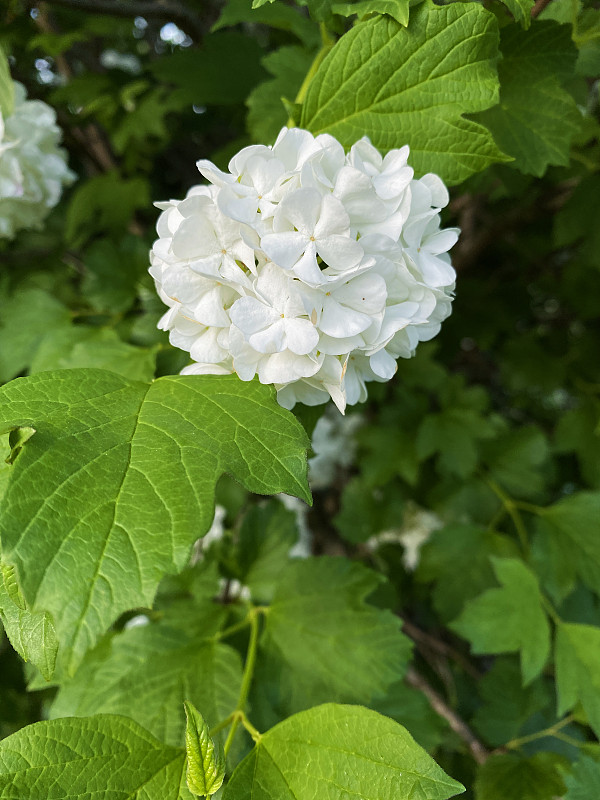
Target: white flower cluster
<point>313,268</point>
<point>33,168</point>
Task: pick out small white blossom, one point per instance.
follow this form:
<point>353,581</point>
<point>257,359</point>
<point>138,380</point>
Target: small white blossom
<point>312,269</point>
<point>33,168</point>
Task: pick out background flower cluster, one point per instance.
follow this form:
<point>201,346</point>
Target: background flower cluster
<point>33,167</point>
<point>309,267</point>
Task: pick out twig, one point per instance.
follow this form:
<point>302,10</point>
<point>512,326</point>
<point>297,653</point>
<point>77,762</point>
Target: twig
<point>189,22</point>
<point>479,752</point>
<point>425,640</point>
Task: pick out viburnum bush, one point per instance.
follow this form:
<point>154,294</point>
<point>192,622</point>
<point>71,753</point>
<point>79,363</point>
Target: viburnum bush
<point>300,475</point>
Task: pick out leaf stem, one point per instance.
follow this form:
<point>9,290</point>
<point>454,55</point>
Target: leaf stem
<point>551,611</point>
<point>239,715</point>
<point>552,730</point>
<point>512,510</point>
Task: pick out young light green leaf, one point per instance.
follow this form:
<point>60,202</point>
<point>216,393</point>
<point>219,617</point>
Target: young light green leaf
<point>335,751</point>
<point>511,776</point>
<point>7,87</point>
<point>413,85</point>
<point>328,642</point>
<point>133,467</point>
<point>577,659</point>
<point>31,633</point>
<point>105,756</point>
<point>16,440</point>
<point>143,672</point>
<point>536,119</point>
<point>509,619</point>
<point>205,763</point>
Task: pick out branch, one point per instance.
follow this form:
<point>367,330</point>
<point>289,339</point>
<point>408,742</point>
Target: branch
<point>169,10</point>
<point>426,641</point>
<point>439,705</point>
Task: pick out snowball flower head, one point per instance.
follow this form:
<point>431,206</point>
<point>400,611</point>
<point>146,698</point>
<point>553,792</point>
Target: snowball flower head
<point>33,167</point>
<point>311,268</point>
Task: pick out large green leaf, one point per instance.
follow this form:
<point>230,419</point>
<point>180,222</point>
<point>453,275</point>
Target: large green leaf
<point>7,87</point>
<point>536,119</point>
<point>118,482</point>
<point>144,673</point>
<point>413,85</point>
<point>578,670</point>
<point>105,756</point>
<point>509,619</point>
<point>329,643</point>
<point>336,751</point>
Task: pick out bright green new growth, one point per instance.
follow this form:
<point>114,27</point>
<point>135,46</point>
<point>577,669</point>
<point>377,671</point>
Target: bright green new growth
<point>133,467</point>
<point>412,85</point>
<point>578,670</point>
<point>335,751</point>
<point>205,763</point>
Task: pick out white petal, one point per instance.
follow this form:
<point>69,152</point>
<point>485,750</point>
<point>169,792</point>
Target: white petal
<point>341,253</point>
<point>439,194</point>
<point>442,241</point>
<point>340,322</point>
<point>209,309</point>
<point>383,364</point>
<point>271,339</point>
<point>251,316</point>
<point>284,249</point>
<point>366,294</point>
<point>302,336</point>
<point>206,350</point>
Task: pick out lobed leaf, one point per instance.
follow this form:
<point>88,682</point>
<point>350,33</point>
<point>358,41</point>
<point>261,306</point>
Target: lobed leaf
<point>132,468</point>
<point>400,85</point>
<point>577,658</point>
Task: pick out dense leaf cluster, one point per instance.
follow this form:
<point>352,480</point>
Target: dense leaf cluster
<point>436,611</point>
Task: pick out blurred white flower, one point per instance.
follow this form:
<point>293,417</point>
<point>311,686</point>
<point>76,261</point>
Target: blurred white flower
<point>311,268</point>
<point>33,167</point>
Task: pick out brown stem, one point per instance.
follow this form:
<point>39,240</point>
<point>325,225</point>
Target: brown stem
<point>479,752</point>
<point>426,641</point>
<point>539,6</point>
<point>189,22</point>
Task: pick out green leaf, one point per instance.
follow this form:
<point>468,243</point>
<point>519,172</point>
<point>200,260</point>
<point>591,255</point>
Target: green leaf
<point>536,119</point>
<point>223,72</point>
<point>325,636</point>
<point>205,765</point>
<point>515,776</point>
<point>113,273</point>
<point>31,633</point>
<point>144,672</point>
<point>26,318</point>
<point>266,111</point>
<point>396,9</point>
<point>134,467</point>
<point>515,459</point>
<point>568,538</point>
<point>507,705</point>
<point>509,619</point>
<point>443,560</point>
<point>110,757</point>
<point>335,751</point>
<point>275,15</point>
<point>578,670</point>
<point>453,433</point>
<point>104,204</point>
<point>584,781</point>
<point>412,710</point>
<point>412,85</point>
<point>521,11</point>
<point>366,511</point>
<point>266,537</point>
<point>99,348</point>
<point>7,87</point>
<point>578,431</point>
